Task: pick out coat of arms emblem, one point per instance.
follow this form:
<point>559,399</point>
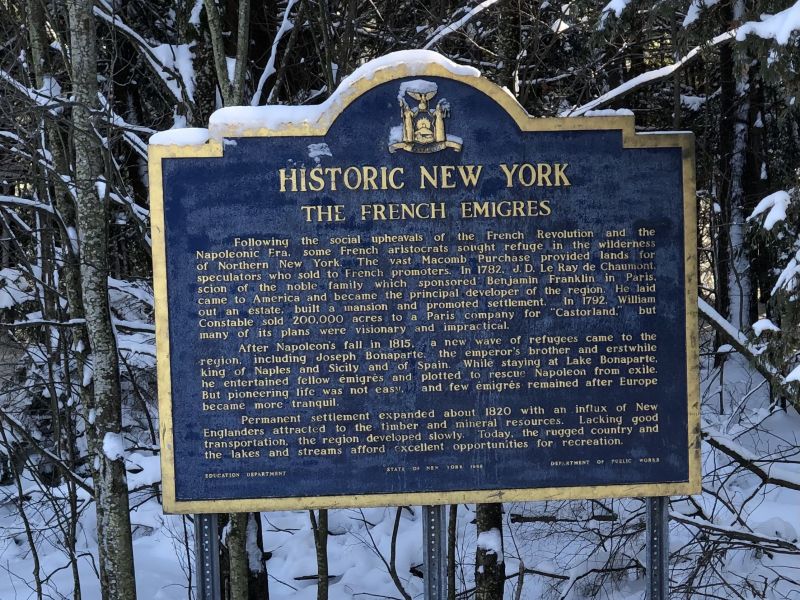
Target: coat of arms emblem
<point>423,128</point>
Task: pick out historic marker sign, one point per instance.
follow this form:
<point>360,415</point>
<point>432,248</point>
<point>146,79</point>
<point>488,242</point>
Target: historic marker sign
<point>424,296</point>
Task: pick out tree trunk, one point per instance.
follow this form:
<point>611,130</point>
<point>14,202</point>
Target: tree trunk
<point>231,85</point>
<point>110,482</point>
<point>320,529</point>
<point>237,556</point>
<point>739,286</point>
<point>489,559</point>
<point>508,45</point>
<point>734,128</point>
<point>258,583</point>
<point>722,218</point>
<point>756,186</point>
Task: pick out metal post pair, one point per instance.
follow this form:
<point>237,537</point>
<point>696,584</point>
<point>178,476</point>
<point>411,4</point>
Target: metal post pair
<point>434,527</point>
<point>657,516</point>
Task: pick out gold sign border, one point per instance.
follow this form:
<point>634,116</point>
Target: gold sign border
<point>214,148</point>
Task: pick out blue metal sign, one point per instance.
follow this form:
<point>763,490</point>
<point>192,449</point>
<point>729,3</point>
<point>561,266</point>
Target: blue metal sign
<point>425,297</point>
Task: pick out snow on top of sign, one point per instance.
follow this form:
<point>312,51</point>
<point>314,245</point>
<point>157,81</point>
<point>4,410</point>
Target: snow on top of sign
<point>273,116</point>
<point>188,136</point>
<point>419,86</point>
<point>609,112</point>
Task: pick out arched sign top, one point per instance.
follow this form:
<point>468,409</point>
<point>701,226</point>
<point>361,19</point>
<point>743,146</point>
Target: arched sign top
<point>418,293</point>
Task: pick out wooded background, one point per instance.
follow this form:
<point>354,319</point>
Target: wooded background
<point>84,85</point>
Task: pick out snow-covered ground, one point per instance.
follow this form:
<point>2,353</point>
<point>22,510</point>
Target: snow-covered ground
<point>580,549</point>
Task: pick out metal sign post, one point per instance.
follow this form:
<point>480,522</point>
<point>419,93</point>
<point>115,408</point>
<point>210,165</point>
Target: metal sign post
<point>434,528</point>
<point>206,541</point>
<point>657,509</point>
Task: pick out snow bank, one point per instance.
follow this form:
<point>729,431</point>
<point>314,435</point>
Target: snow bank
<point>148,472</point>
<point>777,527</point>
<point>242,118</point>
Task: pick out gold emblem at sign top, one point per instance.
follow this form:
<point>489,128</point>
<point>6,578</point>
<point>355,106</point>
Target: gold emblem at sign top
<point>422,130</point>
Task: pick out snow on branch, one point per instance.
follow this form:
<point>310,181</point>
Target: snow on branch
<point>775,206</point>
<point>285,27</point>
<point>742,345</point>
<point>768,543</point>
<point>737,339</point>
<point>17,202</point>
<point>41,156</point>
<point>14,289</point>
<point>446,30</point>
<point>172,64</point>
<point>778,27</point>
<point>648,77</point>
<point>616,7</point>
<point>22,431</point>
<point>128,131</point>
<point>139,214</point>
<point>695,8</point>
<point>25,202</point>
<point>782,473</point>
<point>790,275</point>
<point>132,290</point>
<point>121,324</point>
<point>38,98</point>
